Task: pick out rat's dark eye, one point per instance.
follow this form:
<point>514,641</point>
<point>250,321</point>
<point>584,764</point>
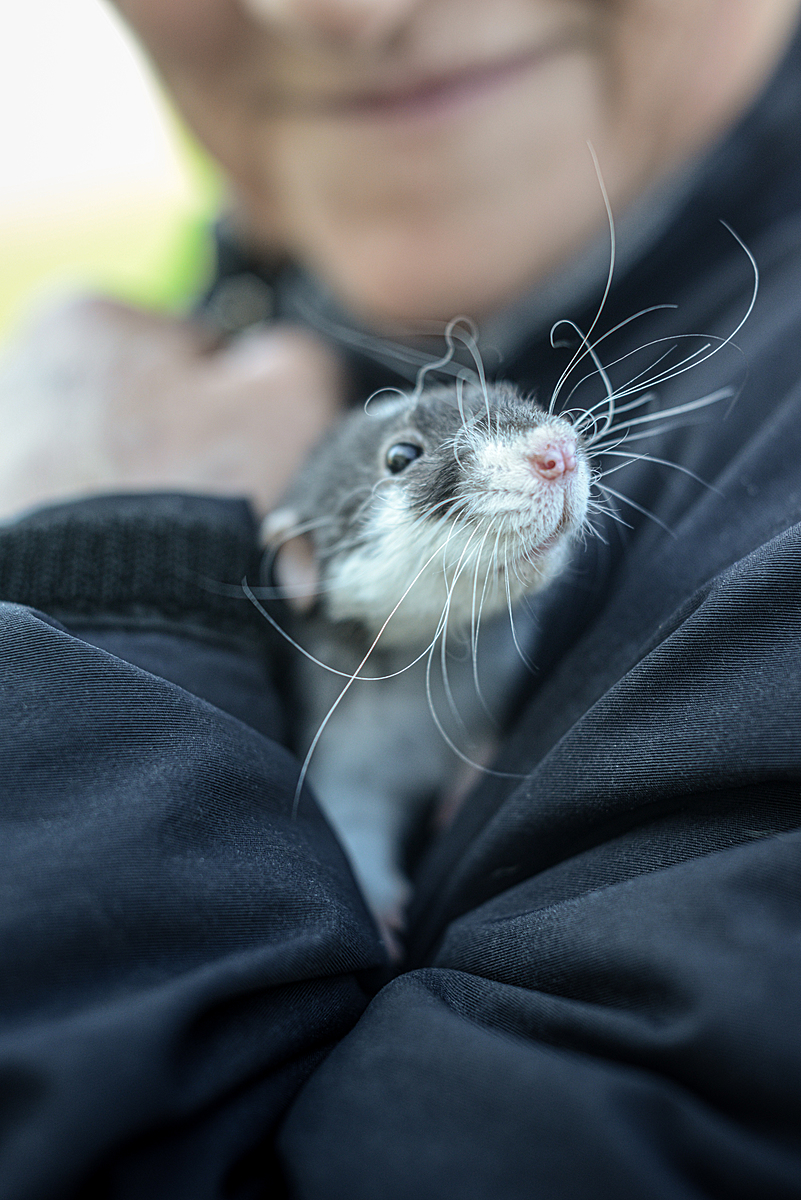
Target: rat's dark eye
<point>400,455</point>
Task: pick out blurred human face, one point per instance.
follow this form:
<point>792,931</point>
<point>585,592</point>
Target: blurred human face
<point>429,157</point>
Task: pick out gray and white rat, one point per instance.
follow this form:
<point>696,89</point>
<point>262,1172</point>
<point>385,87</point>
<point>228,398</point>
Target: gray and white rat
<point>413,523</point>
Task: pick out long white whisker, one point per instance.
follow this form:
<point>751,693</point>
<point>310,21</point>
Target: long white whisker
<point>632,387</point>
<point>475,611</point>
<point>351,680</point>
<point>685,364</point>
<point>609,400</point>
<point>664,462</point>
<point>723,393</point>
<point>608,511</point>
<point>404,359</point>
<point>461,566</point>
<point>440,363</point>
<point>245,588</point>
<point>705,353</point>
<point>632,404</point>
<point>627,500</point>
<point>524,658</point>
<point>470,343</point>
<point>474,647</point>
<point>579,354</point>
<point>449,742</point>
<point>599,448</point>
<point>460,383</point>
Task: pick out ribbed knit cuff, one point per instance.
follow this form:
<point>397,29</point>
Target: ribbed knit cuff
<point>163,558</point>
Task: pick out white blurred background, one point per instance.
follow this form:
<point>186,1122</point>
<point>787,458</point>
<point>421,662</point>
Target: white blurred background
<point>99,187</point>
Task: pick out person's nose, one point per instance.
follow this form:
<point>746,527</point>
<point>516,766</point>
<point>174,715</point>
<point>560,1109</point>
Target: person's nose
<point>363,23</point>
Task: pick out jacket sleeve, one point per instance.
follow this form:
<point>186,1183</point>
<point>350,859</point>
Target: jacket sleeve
<point>181,944</point>
<point>605,991</point>
<point>609,983</point>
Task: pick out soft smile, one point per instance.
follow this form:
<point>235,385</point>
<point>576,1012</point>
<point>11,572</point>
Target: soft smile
<point>438,92</point>
<point>428,96</point>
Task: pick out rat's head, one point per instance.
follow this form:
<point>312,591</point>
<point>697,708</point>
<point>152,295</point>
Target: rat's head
<point>456,501</point>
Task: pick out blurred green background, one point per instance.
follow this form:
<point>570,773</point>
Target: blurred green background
<point>100,188</point>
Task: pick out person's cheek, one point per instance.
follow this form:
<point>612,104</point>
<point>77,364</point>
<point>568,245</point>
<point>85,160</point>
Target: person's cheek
<point>192,30</point>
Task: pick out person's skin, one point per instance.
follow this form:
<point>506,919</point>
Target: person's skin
<point>429,157</point>
<point>100,397</point>
<point>423,157</point>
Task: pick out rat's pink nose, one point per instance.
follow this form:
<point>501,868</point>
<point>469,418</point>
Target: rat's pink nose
<point>555,458</point>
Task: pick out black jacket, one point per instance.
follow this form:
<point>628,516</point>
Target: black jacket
<point>603,994</point>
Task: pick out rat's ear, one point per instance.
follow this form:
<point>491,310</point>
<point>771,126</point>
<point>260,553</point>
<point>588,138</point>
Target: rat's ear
<point>294,563</point>
<point>277,526</point>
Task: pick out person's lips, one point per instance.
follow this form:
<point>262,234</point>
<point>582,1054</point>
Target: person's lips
<point>432,93</point>
<point>425,96</point>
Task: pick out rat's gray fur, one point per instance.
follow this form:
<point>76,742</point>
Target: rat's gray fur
<point>400,563</point>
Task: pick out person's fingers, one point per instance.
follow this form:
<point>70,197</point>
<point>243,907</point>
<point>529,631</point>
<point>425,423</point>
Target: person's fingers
<point>100,396</point>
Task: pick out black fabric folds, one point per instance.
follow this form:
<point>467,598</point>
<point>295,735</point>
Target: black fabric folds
<point>603,986</point>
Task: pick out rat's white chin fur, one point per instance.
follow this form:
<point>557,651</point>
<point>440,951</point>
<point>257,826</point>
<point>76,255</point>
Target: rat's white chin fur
<point>447,574</point>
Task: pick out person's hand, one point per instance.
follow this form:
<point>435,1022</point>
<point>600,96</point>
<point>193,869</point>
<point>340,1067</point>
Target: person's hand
<point>101,397</point>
